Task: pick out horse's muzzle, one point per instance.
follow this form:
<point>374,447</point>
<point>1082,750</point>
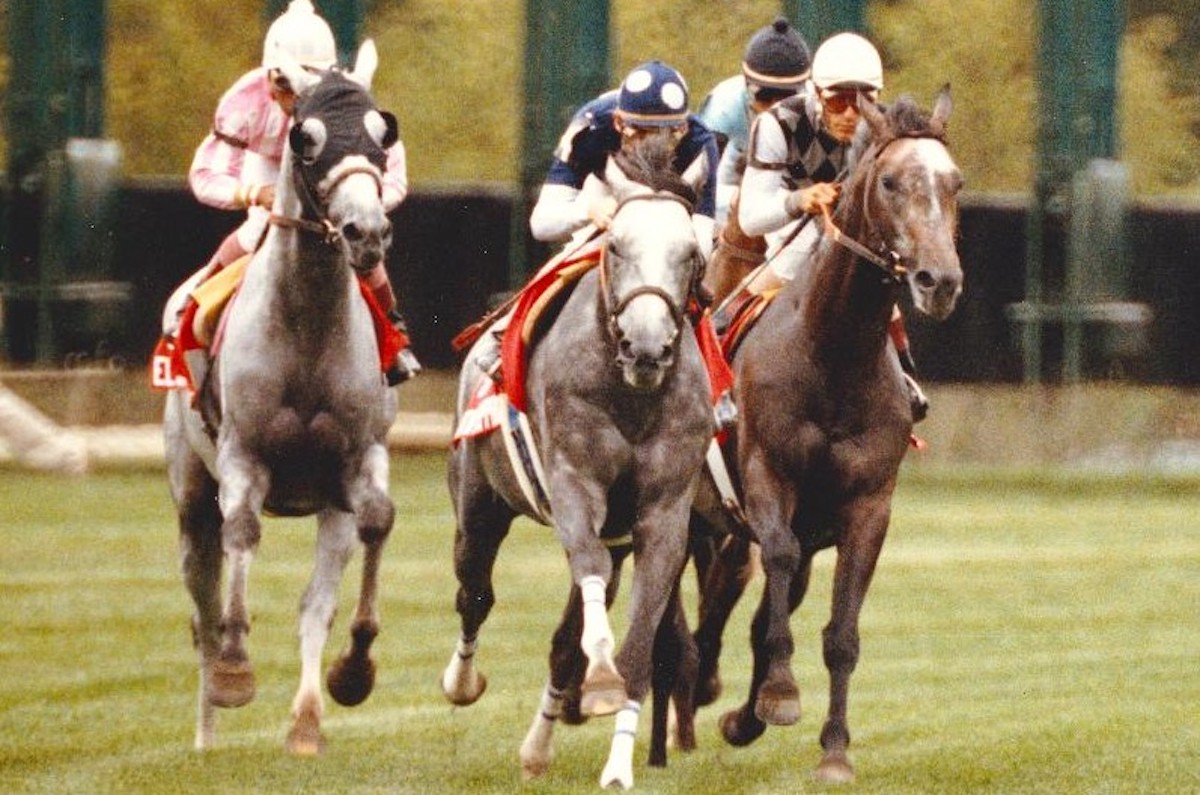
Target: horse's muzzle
<point>935,290</point>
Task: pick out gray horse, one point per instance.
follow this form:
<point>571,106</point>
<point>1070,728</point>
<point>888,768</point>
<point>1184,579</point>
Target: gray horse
<point>619,411</point>
<point>300,405</point>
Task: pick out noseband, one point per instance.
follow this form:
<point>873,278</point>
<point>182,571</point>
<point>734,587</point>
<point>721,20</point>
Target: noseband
<point>318,202</point>
<point>887,260</point>
<point>614,306</point>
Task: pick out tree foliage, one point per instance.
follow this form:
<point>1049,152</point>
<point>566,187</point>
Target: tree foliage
<point>451,71</point>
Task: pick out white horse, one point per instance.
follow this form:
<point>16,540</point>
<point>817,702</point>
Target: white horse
<point>618,406</point>
<point>299,407</point>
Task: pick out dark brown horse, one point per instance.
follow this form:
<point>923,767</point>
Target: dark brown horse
<point>825,417</point>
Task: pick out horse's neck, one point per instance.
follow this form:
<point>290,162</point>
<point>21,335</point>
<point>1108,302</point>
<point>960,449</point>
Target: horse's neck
<point>849,302</point>
<point>308,271</point>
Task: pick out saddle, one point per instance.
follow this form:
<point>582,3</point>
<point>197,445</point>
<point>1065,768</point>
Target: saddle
<point>744,318</point>
<point>180,361</point>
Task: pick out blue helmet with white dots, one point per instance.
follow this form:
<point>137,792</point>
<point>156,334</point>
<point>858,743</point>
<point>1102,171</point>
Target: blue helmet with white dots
<point>653,95</point>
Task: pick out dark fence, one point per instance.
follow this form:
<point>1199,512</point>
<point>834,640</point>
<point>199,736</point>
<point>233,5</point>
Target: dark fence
<point>450,258</point>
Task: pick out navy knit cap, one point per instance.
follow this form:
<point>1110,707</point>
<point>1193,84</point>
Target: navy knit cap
<point>653,95</point>
<point>777,57</point>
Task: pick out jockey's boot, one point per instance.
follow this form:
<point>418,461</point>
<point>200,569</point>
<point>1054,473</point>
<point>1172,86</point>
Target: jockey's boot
<point>916,396</point>
<point>406,364</point>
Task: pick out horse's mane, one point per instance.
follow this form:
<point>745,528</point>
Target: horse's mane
<point>907,120</point>
<point>650,161</point>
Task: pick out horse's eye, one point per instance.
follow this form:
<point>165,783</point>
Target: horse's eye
<point>307,139</point>
<point>888,182</point>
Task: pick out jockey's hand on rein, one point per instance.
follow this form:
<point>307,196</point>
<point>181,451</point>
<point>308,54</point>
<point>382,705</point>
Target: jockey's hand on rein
<point>810,200</point>
<point>600,211</point>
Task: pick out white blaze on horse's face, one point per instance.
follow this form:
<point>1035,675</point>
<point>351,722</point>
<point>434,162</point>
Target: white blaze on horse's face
<point>650,261</point>
<point>913,202</point>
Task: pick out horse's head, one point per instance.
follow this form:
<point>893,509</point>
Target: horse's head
<point>338,142</point>
<point>651,263</point>
<point>910,200</point>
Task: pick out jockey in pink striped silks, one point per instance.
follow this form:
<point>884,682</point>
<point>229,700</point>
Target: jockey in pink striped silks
<point>236,165</point>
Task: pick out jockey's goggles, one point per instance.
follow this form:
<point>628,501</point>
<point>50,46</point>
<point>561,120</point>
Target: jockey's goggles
<point>837,100</point>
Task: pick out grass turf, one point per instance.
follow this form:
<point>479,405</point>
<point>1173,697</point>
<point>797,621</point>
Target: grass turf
<point>1024,634</point>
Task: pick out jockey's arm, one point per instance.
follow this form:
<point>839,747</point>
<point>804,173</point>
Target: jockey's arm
<point>214,174</point>
<point>560,211</point>
<point>395,179</point>
<point>762,203</point>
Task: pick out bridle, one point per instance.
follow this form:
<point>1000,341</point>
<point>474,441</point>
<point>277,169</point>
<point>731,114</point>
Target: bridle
<point>318,202</point>
<point>612,304</point>
<point>887,259</point>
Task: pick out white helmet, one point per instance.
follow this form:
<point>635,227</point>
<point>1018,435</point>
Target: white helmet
<point>847,60</point>
<point>302,34</point>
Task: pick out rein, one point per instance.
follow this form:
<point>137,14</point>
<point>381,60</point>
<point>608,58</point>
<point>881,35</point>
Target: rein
<point>609,299</point>
<point>329,234</point>
<point>889,261</point>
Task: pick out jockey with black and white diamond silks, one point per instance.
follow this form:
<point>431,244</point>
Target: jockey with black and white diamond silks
<point>800,151</point>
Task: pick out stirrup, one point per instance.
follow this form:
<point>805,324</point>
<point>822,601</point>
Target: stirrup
<point>916,399</point>
<point>725,411</point>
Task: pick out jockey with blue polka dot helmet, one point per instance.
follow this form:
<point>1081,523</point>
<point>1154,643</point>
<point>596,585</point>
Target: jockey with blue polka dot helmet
<point>651,100</point>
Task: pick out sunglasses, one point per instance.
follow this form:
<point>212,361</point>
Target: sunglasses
<point>838,101</point>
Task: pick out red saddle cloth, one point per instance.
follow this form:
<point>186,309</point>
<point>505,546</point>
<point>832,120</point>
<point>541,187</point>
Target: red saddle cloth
<point>543,292</point>
<point>169,368</point>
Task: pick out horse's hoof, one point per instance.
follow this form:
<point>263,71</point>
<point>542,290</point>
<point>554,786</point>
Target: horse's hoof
<point>232,683</point>
<point>459,693</point>
<point>738,732</point>
<point>708,690</point>
<point>835,768</point>
<point>304,738</point>
<point>351,679</point>
<point>534,766</point>
<point>603,692</point>
<point>778,704</point>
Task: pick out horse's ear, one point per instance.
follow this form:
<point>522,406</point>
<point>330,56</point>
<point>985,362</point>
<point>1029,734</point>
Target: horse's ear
<point>941,111</point>
<point>365,64</point>
<point>383,127</point>
<point>696,174</point>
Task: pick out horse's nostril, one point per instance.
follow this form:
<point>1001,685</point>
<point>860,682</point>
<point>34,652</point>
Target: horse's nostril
<point>925,280</point>
<point>352,233</point>
<point>626,348</point>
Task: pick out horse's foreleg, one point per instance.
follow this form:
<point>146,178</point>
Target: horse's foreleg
<point>352,677</point>
<point>200,561</point>
<point>335,547</point>
<point>618,770</point>
<point>856,560</point>
<point>483,523</point>
<point>537,750</point>
<point>676,663</point>
<point>723,581</point>
<point>770,506</point>
<point>242,491</point>
<point>603,686</point>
